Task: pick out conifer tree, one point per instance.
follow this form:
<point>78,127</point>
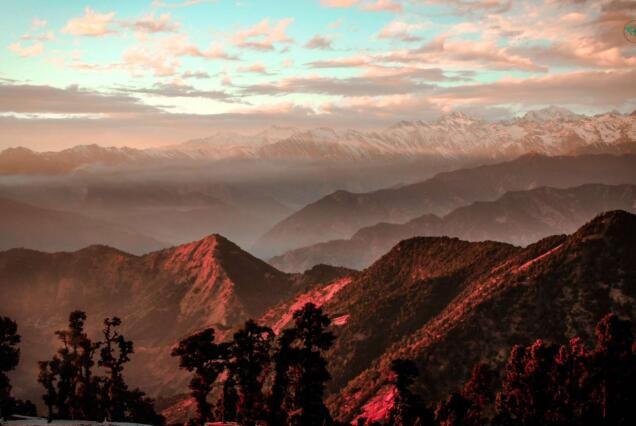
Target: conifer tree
<point>312,339</point>
<point>407,409</point>
<point>199,354</point>
<point>114,353</point>
<point>613,371</point>
<point>73,392</point>
<point>285,358</point>
<point>250,356</point>
<point>9,359</point>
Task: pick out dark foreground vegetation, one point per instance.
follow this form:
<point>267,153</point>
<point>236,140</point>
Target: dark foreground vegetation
<point>258,378</point>
<point>72,389</point>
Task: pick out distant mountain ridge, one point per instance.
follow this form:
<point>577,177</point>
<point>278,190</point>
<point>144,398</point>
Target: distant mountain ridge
<point>551,131</point>
<point>26,226</point>
<point>341,214</point>
<point>518,217</point>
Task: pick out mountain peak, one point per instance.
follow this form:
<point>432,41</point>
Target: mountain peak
<point>615,224</point>
<point>551,113</point>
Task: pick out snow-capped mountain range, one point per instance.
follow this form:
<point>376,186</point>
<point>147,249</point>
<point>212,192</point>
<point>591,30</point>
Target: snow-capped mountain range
<point>550,131</point>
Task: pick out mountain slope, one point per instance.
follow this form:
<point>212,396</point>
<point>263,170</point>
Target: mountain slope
<point>519,217</point>
<point>161,297</point>
<point>340,214</point>
<point>23,225</point>
<point>448,304</point>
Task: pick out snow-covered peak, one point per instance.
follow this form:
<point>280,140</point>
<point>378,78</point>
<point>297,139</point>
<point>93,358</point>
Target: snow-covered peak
<point>551,113</point>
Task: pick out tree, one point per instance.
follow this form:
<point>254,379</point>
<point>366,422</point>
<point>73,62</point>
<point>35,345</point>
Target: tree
<point>141,409</point>
<point>114,353</point>
<point>251,354</point>
<point>613,371</point>
<point>407,409</point>
<point>71,389</point>
<point>9,359</point>
<point>285,357</point>
<point>468,407</point>
<point>199,354</point>
<point>312,339</point>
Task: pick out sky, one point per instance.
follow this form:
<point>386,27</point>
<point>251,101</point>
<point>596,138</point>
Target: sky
<point>152,72</point>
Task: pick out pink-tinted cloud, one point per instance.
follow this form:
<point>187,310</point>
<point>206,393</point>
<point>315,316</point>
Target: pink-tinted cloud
<point>383,6</point>
<point>73,99</point>
<point>593,88</point>
<point>38,23</point>
<point>256,68</point>
<point>264,35</point>
<point>179,4</point>
<point>367,5</point>
<point>27,51</point>
<point>92,24</point>
<point>151,24</point>
<point>319,42</point>
<point>338,3</point>
<point>401,30</point>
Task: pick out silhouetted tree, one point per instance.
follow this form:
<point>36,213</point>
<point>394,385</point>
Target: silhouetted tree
<point>612,373</point>
<point>312,339</point>
<point>407,408</point>
<point>285,358</point>
<point>479,390</point>
<point>9,359</point>
<point>250,356</point>
<point>140,409</point>
<point>73,392</point>
<point>199,354</point>
<point>114,353</point>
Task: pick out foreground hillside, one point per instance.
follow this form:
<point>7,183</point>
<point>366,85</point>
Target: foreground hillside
<point>520,218</point>
<point>448,304</point>
<point>161,297</point>
<point>340,214</point>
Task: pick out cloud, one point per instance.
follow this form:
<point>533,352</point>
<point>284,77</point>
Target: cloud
<point>383,6</point>
<point>349,62</point>
<point>179,4</point>
<point>150,24</point>
<point>592,88</point>
<point>474,6</point>
<point>24,98</point>
<point>369,5</point>
<point>401,31</point>
<point>263,35</point>
<point>195,74</point>
<point>162,55</point>
<point>92,24</point>
<point>34,49</point>
<point>463,53</point>
<point>366,85</point>
<point>256,68</point>
<point>37,23</point>
<point>338,3</point>
<point>47,36</point>
<point>319,42</point>
<point>179,91</point>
